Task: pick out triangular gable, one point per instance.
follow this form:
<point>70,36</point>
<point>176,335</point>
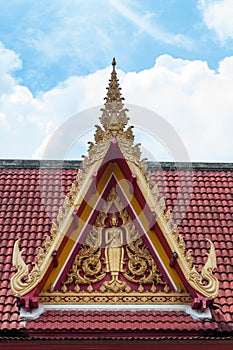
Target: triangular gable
<point>113,241</point>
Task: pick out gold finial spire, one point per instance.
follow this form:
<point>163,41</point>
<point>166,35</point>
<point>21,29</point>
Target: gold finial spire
<point>114,90</point>
<point>114,117</point>
<point>114,63</point>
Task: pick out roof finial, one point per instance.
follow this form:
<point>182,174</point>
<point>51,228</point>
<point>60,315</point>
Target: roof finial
<point>114,118</point>
<point>114,63</point>
<point>114,90</point>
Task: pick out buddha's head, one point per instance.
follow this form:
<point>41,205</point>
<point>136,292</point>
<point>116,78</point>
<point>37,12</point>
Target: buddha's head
<point>113,220</point>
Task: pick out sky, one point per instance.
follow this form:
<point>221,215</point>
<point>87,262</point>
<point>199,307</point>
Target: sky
<point>174,57</point>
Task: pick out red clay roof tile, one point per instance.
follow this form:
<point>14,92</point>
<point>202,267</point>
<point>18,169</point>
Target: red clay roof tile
<point>206,213</point>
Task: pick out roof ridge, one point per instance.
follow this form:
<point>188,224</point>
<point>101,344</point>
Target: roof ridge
<point>74,164</point>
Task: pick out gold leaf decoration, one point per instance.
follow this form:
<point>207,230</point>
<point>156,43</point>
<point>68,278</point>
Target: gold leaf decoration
<point>141,266</point>
<point>133,261</point>
<point>206,281</point>
<point>23,277</point>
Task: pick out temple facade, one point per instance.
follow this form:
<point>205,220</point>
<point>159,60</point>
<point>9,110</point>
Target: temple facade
<point>119,263</point>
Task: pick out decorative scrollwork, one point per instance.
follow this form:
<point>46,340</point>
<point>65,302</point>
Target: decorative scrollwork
<point>113,298</point>
<point>73,192</point>
<point>86,268</point>
<point>54,230</point>
<point>40,256</point>
<point>206,281</point>
<point>105,254</point>
<point>142,268</point>
<point>22,278</point>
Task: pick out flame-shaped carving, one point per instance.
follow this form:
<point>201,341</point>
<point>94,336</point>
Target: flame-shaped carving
<point>141,266</point>
<point>211,287</point>
<point>88,263</point>
<point>22,278</point>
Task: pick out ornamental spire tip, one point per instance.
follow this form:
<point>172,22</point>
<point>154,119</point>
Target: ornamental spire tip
<point>114,63</point>
<point>114,90</point>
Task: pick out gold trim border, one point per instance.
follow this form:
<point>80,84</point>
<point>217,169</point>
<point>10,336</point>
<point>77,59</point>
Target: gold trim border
<point>111,298</point>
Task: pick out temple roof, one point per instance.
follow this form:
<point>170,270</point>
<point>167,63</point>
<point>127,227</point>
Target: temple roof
<point>209,214</point>
<point>115,244</point>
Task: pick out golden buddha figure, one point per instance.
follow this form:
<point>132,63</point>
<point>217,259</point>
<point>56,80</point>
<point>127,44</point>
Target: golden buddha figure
<point>114,251</point>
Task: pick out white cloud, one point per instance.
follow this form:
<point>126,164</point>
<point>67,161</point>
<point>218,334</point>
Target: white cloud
<point>3,121</point>
<point>38,153</point>
<point>195,100</point>
<point>144,23</point>
<point>9,62</point>
<point>26,120</point>
<point>217,15</point>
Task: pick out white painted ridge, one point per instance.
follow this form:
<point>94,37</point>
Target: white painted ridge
<point>35,313</point>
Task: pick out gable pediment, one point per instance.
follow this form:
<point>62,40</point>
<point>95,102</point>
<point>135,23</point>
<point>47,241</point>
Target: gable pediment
<point>115,263</point>
<point>141,258</point>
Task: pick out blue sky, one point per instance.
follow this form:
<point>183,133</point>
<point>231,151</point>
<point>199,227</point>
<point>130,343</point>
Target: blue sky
<point>57,39</point>
<point>61,50</point>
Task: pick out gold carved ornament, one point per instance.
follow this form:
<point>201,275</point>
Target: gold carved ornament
<point>114,120</point>
<point>24,281</point>
<point>114,258</point>
<point>206,273</point>
<point>89,268</point>
<point>17,281</point>
<point>142,268</point>
<point>88,261</point>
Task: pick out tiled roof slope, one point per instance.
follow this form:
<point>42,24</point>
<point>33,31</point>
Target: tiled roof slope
<point>142,323</point>
<point>202,205</point>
